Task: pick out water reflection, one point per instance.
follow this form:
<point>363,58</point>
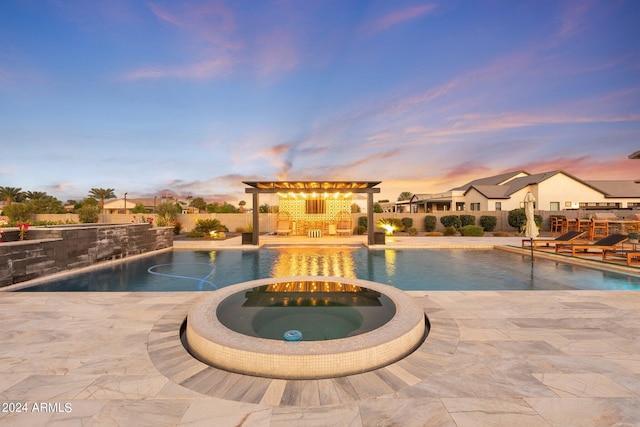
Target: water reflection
<point>337,262</point>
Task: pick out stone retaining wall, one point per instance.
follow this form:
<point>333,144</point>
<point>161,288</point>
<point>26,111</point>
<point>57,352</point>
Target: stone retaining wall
<point>49,250</point>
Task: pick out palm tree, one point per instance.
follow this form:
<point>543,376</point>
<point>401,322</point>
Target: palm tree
<point>102,194</point>
<point>34,195</point>
<point>10,194</point>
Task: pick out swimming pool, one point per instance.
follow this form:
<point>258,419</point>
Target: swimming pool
<point>430,269</point>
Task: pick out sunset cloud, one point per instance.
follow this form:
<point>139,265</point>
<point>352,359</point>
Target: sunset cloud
<point>395,18</point>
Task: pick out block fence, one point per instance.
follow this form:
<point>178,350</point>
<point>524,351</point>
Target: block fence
<point>268,220</point>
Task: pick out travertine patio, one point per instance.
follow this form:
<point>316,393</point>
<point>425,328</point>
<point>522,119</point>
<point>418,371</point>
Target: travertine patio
<point>508,358</point>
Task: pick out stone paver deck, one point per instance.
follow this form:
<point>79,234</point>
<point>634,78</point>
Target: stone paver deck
<point>539,358</point>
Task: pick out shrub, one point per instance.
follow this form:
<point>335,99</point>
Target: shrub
<point>451,221</point>
<point>360,230</point>
<point>517,219</point>
<point>177,227</point>
<point>430,223</point>
<point>407,223</point>
<point>467,220</point>
<point>501,234</point>
<point>209,224</point>
<point>195,234</point>
<point>450,231</point>
<point>488,222</point>
<point>88,214</point>
<point>17,212</point>
<point>167,214</point>
<point>412,231</point>
<point>397,223</point>
<point>472,230</point>
<point>362,222</point>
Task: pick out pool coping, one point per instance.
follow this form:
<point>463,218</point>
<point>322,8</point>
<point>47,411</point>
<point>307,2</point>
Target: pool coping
<point>171,358</point>
<point>213,343</point>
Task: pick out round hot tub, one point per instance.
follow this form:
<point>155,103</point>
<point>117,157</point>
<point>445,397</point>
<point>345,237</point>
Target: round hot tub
<point>304,327</point>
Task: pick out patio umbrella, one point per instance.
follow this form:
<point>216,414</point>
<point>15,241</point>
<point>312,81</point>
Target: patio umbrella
<point>531,230</point>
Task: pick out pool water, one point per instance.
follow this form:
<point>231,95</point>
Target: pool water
<point>436,269</point>
<point>319,310</point>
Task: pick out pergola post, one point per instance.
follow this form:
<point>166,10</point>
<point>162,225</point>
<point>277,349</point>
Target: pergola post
<point>256,218</point>
<point>370,224</point>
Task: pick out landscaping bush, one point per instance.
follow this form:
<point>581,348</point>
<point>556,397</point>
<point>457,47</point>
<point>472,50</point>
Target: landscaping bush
<point>430,223</point>
<point>397,223</point>
<point>488,222</point>
<point>412,231</point>
<point>472,230</point>
<point>362,222</point>
<point>195,234</point>
<point>207,225</point>
<point>467,220</point>
<point>450,231</point>
<point>407,223</point>
<point>177,227</point>
<point>451,221</point>
<point>517,219</point>
<point>88,214</point>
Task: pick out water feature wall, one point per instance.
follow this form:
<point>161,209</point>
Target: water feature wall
<point>49,250</point>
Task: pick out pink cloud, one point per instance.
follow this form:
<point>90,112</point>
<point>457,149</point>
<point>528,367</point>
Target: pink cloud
<point>277,52</point>
<point>395,18</point>
<point>215,68</point>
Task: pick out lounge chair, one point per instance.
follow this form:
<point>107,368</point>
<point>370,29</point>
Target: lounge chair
<point>609,242</point>
<point>627,255</point>
<point>570,236</point>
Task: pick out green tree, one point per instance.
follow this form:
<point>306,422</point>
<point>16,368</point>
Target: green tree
<point>355,208</point>
<point>45,205</point>
<point>102,194</point>
<point>242,204</point>
<point>11,194</point>
<point>377,208</point>
<point>139,209</point>
<point>34,195</point>
<point>405,195</point>
<point>199,204</point>
<point>265,208</point>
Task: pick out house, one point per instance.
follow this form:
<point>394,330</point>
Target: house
<point>126,205</point>
<point>554,191</point>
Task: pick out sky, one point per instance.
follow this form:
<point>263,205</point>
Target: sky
<point>190,98</point>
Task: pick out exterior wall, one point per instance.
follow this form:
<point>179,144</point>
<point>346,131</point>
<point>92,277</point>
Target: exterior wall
<point>49,250</point>
<point>563,189</point>
<point>473,196</point>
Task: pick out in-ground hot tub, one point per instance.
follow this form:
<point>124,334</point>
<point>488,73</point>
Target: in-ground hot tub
<point>345,326</point>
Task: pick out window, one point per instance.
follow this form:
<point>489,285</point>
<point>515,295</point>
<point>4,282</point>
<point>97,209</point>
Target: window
<point>315,206</point>
<point>475,206</point>
<point>498,206</point>
<point>555,206</point>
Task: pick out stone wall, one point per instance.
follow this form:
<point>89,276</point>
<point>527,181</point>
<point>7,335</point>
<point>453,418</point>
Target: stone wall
<point>49,250</point>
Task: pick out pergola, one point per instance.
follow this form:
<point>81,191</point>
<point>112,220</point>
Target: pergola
<point>310,187</point>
